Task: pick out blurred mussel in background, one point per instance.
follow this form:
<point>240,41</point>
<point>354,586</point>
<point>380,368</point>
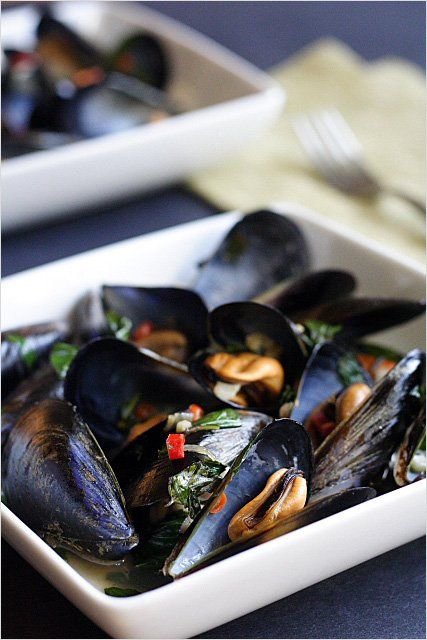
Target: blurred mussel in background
<point>64,89</point>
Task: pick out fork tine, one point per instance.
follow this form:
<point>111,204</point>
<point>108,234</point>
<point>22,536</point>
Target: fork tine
<point>319,155</point>
<point>347,150</point>
<point>343,134</point>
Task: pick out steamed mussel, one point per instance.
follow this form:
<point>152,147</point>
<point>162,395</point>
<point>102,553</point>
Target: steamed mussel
<point>67,89</point>
<point>206,434</point>
<point>254,352</point>
<point>56,478</point>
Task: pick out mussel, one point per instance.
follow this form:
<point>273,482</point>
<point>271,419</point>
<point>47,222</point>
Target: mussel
<point>255,353</point>
<point>108,378</point>
<point>43,384</point>
<point>65,55</point>
<point>140,55</point>
<point>333,384</point>
<point>263,248</point>
<point>58,481</point>
<point>167,320</point>
<point>295,296</point>
<point>317,510</point>
<point>144,474</point>
<point>24,349</point>
<point>283,444</point>
<point>359,449</point>
<point>410,462</point>
<point>357,316</point>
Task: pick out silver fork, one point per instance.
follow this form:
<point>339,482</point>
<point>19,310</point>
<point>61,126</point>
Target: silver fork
<point>337,155</point>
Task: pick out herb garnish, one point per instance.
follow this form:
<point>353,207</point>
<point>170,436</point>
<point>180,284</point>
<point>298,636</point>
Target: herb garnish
<point>349,370</point>
<point>222,419</point>
<point>186,488</point>
<point>28,355</point>
<point>288,395</point>
<point>119,325</point>
<point>318,332</point>
<point>154,552</point>
<point>61,356</point>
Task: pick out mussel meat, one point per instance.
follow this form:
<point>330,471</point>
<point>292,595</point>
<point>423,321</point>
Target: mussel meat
<point>281,444</point>
<point>255,353</point>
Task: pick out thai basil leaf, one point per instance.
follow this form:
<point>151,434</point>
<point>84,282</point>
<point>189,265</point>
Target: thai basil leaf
<point>222,419</point>
<point>61,356</point>
<point>349,370</point>
<point>288,395</point>
<point>317,332</point>
<point>187,487</point>
<point>153,553</point>
<point>28,355</point>
<point>119,325</point>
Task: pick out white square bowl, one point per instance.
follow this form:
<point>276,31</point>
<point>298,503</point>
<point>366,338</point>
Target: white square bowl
<point>227,103</point>
<point>275,569</point>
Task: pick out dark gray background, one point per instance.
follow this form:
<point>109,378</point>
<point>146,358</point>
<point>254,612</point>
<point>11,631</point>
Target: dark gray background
<point>383,598</point>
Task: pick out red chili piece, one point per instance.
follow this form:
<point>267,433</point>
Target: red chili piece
<point>175,446</point>
<point>197,411</point>
<point>143,330</point>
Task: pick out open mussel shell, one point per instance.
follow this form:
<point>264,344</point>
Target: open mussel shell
<point>43,384</point>
<point>102,109</point>
<point>26,96</point>
<point>24,349</point>
<point>318,510</point>
<point>281,444</point>
<point>58,481</point>
<point>362,316</point>
<point>321,379</point>
<point>250,327</point>
<point>410,463</point>
<point>359,449</point>
<point>107,373</point>
<point>62,51</point>
<point>293,297</point>
<point>87,318</point>
<point>143,57</point>
<point>170,308</point>
<point>263,248</point>
<point>144,476</point>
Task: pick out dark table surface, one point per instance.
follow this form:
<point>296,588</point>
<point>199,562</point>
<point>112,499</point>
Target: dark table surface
<point>384,597</point>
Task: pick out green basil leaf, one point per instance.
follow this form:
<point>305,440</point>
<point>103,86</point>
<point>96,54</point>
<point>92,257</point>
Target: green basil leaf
<point>152,554</point>
<point>222,419</point>
<point>288,395</point>
<point>187,487</point>
<point>119,592</point>
<point>317,332</point>
<point>61,356</point>
<point>28,355</point>
<point>119,325</point>
<point>349,370</point>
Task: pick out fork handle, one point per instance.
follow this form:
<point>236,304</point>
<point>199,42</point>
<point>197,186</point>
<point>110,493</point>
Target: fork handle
<point>417,204</point>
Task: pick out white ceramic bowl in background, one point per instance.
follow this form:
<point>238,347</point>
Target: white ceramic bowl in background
<point>228,102</point>
<point>275,569</point>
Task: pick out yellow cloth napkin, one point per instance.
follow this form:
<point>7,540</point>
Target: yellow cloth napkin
<point>384,103</point>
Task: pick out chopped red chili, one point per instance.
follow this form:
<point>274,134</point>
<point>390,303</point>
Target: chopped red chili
<point>197,411</point>
<point>144,410</point>
<point>143,330</point>
<point>175,446</point>
<point>220,504</point>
